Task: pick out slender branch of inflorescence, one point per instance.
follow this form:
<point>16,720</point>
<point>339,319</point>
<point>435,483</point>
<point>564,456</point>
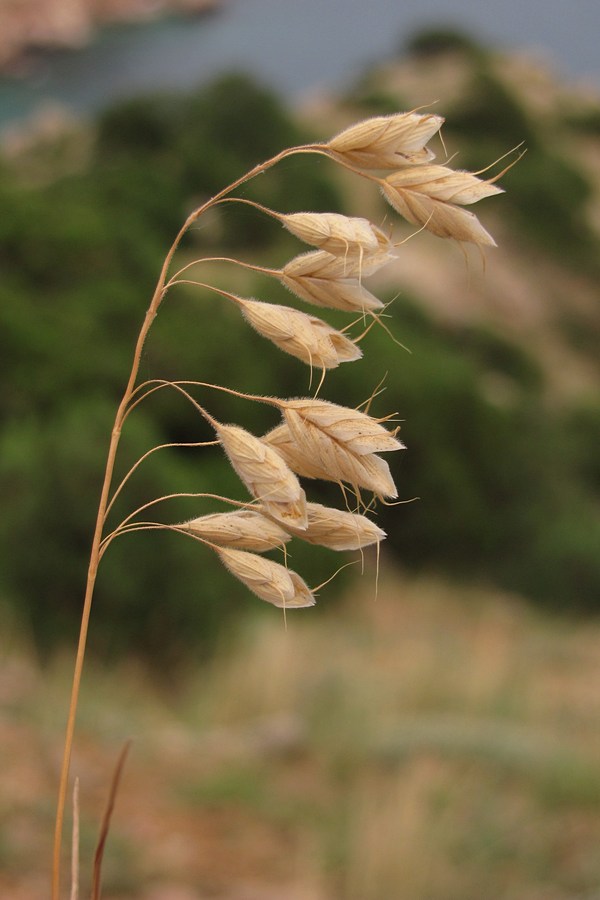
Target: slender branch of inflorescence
<point>145,456</point>
<point>177,496</point>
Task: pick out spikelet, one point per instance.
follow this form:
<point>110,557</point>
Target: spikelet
<point>321,264</point>
<point>265,474</point>
<point>305,337</point>
<point>242,529</point>
<point>282,441</point>
<point>269,580</point>
<point>341,441</point>
<point>348,295</point>
<point>387,142</point>
<point>357,432</point>
<point>337,234</point>
<point>442,183</point>
<point>329,281</point>
<point>333,463</point>
<point>338,529</point>
<point>427,196</point>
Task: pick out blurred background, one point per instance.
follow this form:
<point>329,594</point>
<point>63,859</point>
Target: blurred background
<point>439,740</point>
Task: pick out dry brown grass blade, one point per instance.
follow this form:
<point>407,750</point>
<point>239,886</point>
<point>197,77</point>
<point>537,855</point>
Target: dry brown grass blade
<point>104,828</point>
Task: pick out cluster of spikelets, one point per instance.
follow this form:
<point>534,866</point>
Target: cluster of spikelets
<point>318,439</point>
<point>315,439</point>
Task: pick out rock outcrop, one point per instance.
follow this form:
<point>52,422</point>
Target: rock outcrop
<point>40,24</point>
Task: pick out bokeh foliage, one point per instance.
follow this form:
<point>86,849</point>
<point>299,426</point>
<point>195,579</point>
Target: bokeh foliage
<point>509,490</point>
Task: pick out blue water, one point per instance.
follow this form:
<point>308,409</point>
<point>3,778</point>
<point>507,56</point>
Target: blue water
<point>295,46</point>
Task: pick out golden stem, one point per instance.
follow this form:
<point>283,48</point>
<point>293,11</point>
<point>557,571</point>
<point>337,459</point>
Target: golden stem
<point>95,553</point>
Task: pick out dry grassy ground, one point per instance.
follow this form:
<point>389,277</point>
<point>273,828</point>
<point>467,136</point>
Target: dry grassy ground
<point>431,744</point>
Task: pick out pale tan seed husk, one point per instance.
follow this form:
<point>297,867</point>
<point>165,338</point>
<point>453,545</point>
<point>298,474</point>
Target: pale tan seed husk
<point>303,596</point>
<point>292,513</point>
<point>428,196</point>
<point>442,219</point>
<point>329,454</point>
<point>387,142</point>
<point>333,463</point>
<point>358,432</point>
<point>442,183</point>
<point>348,296</point>
<point>343,442</point>
<point>377,477</point>
<point>306,337</point>
<point>264,473</point>
<point>282,441</point>
<point>242,529</point>
<point>339,235</point>
<point>334,282</point>
<point>269,580</point>
<point>320,264</point>
<point>339,529</point>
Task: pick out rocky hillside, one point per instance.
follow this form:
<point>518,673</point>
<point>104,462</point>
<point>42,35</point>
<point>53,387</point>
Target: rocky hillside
<point>34,24</point>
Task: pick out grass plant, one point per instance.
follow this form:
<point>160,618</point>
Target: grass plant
<point>315,439</point>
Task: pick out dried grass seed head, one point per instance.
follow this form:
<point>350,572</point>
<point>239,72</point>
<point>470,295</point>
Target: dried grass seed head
<point>305,337</point>
<point>269,580</point>
<point>337,234</point>
<point>339,529</point>
<point>387,142</point>
<point>348,295</point>
<point>282,441</point>
<point>342,442</point>
<point>242,529</point>
<point>334,464</point>
<point>442,219</point>
<point>321,264</point>
<point>442,183</point>
<point>333,282</point>
<point>428,196</point>
<point>265,474</point>
<point>358,432</point>
<point>329,461</point>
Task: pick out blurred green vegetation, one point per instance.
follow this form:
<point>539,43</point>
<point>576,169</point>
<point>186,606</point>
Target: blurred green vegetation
<point>509,489</point>
<point>79,259</point>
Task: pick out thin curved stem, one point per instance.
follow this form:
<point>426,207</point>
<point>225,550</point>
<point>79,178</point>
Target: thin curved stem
<point>179,386</point>
<point>145,456</point>
<point>162,526</point>
<point>138,526</point>
<point>188,494</point>
<point>137,393</point>
<point>158,384</point>
<point>95,556</point>
<point>120,416</point>
<point>238,262</point>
